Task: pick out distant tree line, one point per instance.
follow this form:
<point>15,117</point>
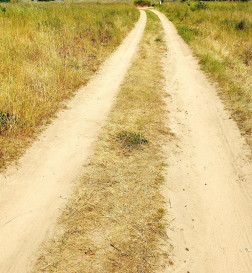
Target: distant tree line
<point>15,1</point>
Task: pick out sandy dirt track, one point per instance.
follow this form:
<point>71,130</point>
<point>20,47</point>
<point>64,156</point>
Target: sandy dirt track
<point>209,177</point>
<point>31,195</point>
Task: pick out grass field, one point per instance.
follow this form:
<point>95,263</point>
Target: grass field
<point>47,51</point>
<point>220,35</point>
<point>114,221</point>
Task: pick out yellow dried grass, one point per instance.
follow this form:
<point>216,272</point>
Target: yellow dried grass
<point>47,51</point>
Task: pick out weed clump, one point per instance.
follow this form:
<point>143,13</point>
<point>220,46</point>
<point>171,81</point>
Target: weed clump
<point>7,121</point>
<point>131,139</point>
<point>242,25</point>
<point>246,56</point>
<point>158,39</point>
<point>200,6</point>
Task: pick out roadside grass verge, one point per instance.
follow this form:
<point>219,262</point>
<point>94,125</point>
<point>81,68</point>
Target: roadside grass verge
<point>220,35</point>
<point>47,51</point>
<point>115,219</point>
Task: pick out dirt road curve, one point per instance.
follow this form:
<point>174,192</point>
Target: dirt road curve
<point>209,178</point>
<point>31,196</point>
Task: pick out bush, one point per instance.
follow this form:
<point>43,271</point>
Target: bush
<point>2,9</point>
<point>142,3</point>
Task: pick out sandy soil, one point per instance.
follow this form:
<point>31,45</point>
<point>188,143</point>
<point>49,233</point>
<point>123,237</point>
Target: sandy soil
<point>209,177</point>
<point>32,194</point>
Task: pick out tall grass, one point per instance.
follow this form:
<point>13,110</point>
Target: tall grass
<point>47,51</point>
<point>220,34</point>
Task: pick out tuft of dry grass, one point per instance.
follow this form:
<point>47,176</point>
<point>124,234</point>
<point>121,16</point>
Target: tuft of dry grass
<point>47,51</point>
<point>115,220</point>
<point>221,37</point>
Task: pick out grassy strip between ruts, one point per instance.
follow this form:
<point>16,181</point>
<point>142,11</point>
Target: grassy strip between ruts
<point>115,219</point>
<point>220,35</point>
<point>47,51</point>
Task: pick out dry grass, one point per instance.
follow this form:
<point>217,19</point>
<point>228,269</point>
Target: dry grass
<point>47,51</point>
<point>221,36</point>
<point>114,221</point>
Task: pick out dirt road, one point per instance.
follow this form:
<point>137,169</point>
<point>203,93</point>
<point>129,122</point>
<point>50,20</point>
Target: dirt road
<point>209,178</point>
<point>208,187</point>
<point>31,195</point>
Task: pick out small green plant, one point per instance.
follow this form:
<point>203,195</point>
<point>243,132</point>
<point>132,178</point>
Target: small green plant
<point>131,139</point>
<point>200,6</point>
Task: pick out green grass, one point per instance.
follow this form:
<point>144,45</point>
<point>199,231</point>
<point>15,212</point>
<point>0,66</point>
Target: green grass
<point>47,51</point>
<point>131,139</point>
<point>220,34</point>
<point>187,33</point>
